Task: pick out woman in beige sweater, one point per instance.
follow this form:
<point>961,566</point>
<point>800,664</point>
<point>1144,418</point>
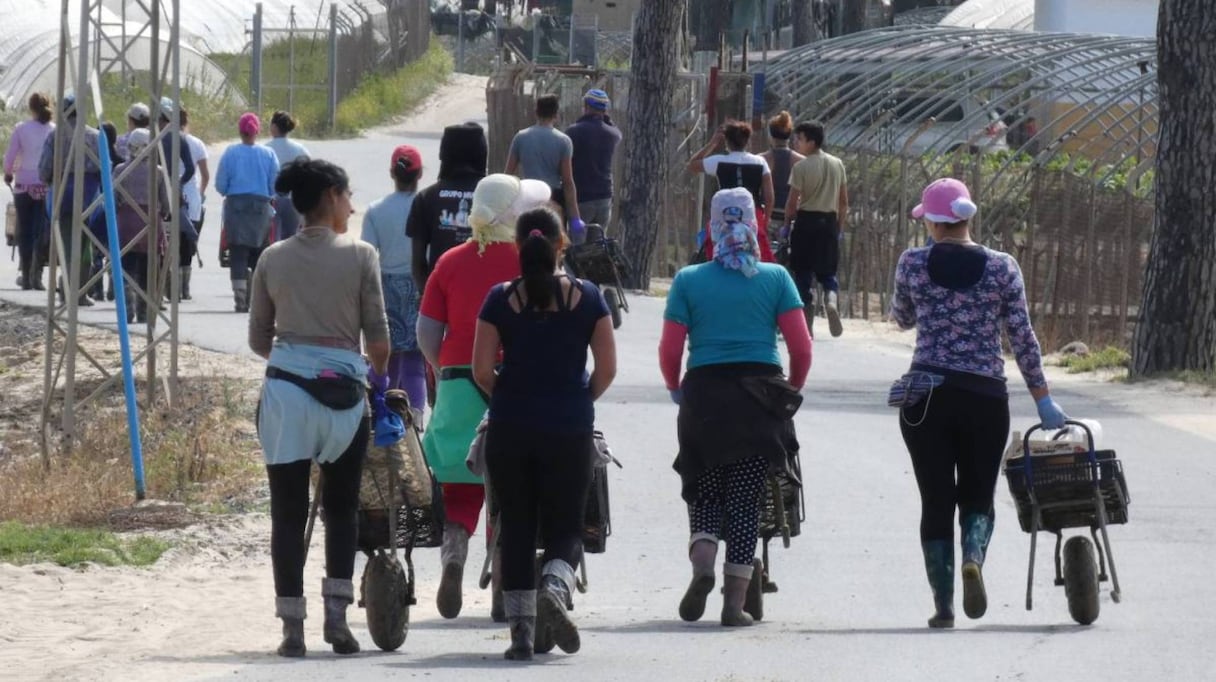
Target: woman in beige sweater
<point>313,296</point>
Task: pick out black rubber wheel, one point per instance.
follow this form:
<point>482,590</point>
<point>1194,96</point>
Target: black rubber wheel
<point>386,598</point>
<point>614,306</point>
<point>1081,579</point>
<point>754,603</point>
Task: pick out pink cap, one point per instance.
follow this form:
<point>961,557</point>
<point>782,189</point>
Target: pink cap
<point>945,201</point>
<point>249,124</point>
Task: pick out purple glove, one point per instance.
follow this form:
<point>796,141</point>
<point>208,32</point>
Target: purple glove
<point>577,226</point>
<point>378,381</point>
<point>784,232</point>
<point>677,396</point>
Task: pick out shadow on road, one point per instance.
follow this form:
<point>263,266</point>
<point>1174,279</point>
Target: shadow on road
<point>469,661</point>
<point>978,630</point>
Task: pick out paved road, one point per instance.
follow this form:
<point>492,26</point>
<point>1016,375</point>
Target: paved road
<point>853,598</point>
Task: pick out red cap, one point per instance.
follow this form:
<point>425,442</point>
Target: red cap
<point>407,156</point>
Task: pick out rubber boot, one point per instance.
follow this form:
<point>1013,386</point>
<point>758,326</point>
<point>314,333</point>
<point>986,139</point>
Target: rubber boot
<point>185,276</point>
<point>109,285</point>
<point>977,531</point>
<point>833,312</point>
<point>338,594</point>
<point>556,585</point>
<point>736,579</point>
<point>240,295</point>
<point>498,612</point>
<point>939,568</point>
<point>97,292</point>
<point>452,556</point>
<point>25,280</point>
<point>520,608</point>
<point>292,611</point>
<point>131,296</point>
<point>702,554</point>
<point>37,278</point>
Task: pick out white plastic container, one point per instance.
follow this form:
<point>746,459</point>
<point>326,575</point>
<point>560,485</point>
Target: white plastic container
<point>1077,436</point>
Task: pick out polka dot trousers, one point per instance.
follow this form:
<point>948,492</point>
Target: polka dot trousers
<point>730,496</point>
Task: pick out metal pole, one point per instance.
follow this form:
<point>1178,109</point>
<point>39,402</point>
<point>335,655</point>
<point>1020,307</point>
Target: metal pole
<point>72,259</point>
<point>255,75</point>
<point>153,290</point>
<point>291,55</point>
<point>460,42</point>
<point>333,66</point>
<point>176,223</point>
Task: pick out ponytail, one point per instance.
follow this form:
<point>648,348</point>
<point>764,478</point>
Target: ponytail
<point>539,235</point>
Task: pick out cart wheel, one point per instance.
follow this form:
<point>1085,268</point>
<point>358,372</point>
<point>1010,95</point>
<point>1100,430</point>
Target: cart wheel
<point>754,603</point>
<point>386,592</point>
<point>614,306</point>
<point>1081,579</point>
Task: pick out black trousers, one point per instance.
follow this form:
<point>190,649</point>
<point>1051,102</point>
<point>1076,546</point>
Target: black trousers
<point>956,438</point>
<point>540,481</point>
<point>289,515</point>
<point>31,231</point>
<point>815,252</point>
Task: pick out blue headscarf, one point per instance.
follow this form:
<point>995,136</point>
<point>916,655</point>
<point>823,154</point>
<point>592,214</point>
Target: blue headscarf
<point>733,228</point>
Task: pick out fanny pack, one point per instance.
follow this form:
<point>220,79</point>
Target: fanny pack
<point>775,394</point>
<point>335,391</point>
<point>36,192</point>
<point>913,387</point>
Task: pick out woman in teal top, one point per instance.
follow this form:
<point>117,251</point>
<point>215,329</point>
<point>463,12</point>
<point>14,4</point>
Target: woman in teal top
<point>729,310</point>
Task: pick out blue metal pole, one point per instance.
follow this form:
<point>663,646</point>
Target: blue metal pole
<point>120,301</point>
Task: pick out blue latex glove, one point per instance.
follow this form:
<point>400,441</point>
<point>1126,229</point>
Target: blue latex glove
<point>386,424</point>
<point>1051,415</point>
<point>378,381</point>
<point>784,232</point>
<point>577,226</point>
<point>677,396</point>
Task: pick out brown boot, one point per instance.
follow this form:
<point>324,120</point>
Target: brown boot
<point>736,579</point>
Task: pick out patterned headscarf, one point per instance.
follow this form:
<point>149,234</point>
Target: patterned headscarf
<point>733,228</point>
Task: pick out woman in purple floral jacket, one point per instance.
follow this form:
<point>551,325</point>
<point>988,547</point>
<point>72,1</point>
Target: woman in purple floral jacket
<point>959,296</point>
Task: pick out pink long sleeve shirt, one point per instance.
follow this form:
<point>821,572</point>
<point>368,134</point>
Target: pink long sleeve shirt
<point>24,151</point>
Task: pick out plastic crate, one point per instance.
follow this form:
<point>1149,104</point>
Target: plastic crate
<point>1063,486</point>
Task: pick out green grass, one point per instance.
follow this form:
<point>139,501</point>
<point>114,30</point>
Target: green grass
<point>380,98</point>
<point>1107,358</point>
<point>22,544</point>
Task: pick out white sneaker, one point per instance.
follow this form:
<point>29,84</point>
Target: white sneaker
<point>834,325</point>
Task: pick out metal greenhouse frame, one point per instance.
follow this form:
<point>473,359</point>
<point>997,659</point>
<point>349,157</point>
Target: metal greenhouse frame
<point>1055,134</point>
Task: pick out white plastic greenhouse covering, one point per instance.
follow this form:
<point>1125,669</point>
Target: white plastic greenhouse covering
<point>1010,14</point>
<point>29,38</point>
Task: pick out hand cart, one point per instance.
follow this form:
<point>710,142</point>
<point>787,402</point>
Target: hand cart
<point>400,507</point>
<point>601,261</point>
<point>1057,490</point>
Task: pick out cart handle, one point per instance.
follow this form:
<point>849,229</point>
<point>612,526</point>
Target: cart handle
<point>1026,468</point>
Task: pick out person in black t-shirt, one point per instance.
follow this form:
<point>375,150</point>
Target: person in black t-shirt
<point>439,218</point>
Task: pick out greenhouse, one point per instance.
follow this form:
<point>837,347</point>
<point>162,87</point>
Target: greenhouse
<point>1055,133</point>
<point>29,40</point>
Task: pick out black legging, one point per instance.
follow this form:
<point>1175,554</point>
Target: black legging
<point>32,224</point>
<point>540,479</point>
<point>731,494</point>
<point>962,431</point>
<point>289,515</point>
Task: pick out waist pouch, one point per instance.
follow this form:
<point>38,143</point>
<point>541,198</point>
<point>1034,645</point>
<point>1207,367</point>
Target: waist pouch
<point>775,394</point>
<point>913,387</point>
<point>336,392</point>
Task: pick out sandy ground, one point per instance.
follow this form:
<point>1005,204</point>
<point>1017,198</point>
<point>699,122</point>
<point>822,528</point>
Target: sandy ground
<point>852,602</point>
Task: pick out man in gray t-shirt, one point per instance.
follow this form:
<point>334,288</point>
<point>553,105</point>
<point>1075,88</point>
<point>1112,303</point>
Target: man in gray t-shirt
<point>542,152</point>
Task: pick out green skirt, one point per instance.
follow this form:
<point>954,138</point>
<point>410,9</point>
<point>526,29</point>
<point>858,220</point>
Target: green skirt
<point>458,410</point>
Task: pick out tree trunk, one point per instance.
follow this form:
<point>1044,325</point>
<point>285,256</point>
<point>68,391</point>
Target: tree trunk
<point>1177,325</point>
<point>709,19</point>
<point>802,12</point>
<point>854,16</point>
<point>652,79</point>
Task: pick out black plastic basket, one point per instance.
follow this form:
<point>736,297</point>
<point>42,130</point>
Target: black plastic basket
<point>1063,487</point>
<point>416,526</point>
<point>600,262</point>
<point>597,521</point>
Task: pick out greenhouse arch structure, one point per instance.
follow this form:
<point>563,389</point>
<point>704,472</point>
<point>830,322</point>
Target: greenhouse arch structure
<point>1055,134</point>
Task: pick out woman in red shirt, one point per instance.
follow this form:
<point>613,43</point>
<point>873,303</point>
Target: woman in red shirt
<point>447,323</point>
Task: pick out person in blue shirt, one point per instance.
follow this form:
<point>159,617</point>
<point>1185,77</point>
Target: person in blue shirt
<point>286,150</point>
<point>729,310</point>
<point>595,140</point>
<point>384,228</point>
<point>245,179</point>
